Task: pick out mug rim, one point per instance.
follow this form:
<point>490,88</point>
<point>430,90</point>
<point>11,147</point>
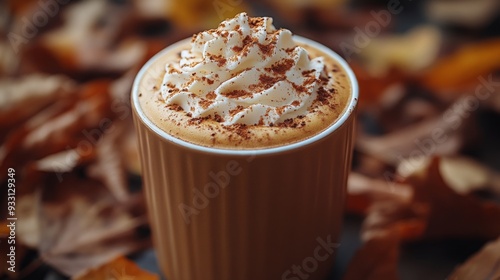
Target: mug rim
<point>348,111</point>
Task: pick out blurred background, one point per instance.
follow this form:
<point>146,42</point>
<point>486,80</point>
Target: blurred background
<point>424,192</point>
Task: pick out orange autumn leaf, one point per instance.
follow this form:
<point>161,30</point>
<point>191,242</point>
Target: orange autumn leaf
<point>464,67</point>
<point>373,88</point>
<point>377,259</point>
<point>120,268</point>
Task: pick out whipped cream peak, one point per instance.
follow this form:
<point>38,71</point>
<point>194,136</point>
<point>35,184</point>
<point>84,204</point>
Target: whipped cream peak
<point>244,72</point>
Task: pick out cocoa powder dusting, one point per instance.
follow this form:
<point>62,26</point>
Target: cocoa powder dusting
<point>309,80</point>
<point>204,103</point>
<point>211,95</point>
<point>323,96</point>
<point>288,123</point>
<point>236,110</point>
<point>281,67</point>
<point>299,88</point>
<point>307,72</point>
<point>197,120</point>
<point>218,118</point>
<point>255,21</point>
<point>240,129</point>
<point>267,50</point>
<point>219,59</point>
<point>237,93</point>
<point>247,40</point>
<point>268,81</point>
<point>175,107</point>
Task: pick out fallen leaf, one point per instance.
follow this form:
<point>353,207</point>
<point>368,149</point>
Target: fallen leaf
<point>450,213</point>
<point>9,61</point>
<point>372,88</point>
<point>391,51</point>
<point>38,90</point>
<point>483,265</point>
<point>28,228</point>
<point>438,135</point>
<point>364,191</point>
<point>468,13</point>
<point>87,44</point>
<point>109,165</point>
<point>120,268</point>
<point>464,68</point>
<point>462,174</point>
<point>407,219</point>
<point>377,259</point>
<point>83,226</point>
<point>62,126</point>
<point>465,175</point>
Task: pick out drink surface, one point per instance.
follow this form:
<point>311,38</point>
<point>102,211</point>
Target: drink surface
<point>245,85</point>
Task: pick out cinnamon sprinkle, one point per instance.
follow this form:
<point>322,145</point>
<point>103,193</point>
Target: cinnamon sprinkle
<point>255,21</point>
<point>282,66</point>
<point>307,72</point>
<point>267,50</point>
<point>323,96</point>
<point>236,110</point>
<point>211,95</point>
<point>237,93</point>
<point>247,40</point>
<point>218,118</point>
<point>197,120</point>
<point>299,88</point>
<point>204,103</point>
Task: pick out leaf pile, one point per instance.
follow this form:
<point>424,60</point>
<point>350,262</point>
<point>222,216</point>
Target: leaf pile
<point>426,156</point>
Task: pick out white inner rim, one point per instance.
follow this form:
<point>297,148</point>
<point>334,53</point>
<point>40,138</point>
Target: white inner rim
<point>258,151</point>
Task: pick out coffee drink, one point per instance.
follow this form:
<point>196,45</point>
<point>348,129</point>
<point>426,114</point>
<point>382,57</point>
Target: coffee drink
<point>245,136</point>
<point>244,85</point>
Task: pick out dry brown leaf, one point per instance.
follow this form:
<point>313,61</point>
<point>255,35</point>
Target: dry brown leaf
<point>87,44</point>
<point>452,214</point>
<point>462,174</point>
<point>465,175</point>
<point>483,265</point>
<point>37,90</point>
<point>109,166</point>
<point>435,211</point>
<point>377,259</point>
<point>61,127</point>
<point>120,268</point>
<point>83,227</point>
<point>372,88</point>
<point>364,191</point>
<point>434,136</point>
<point>129,150</point>
<point>464,68</point>
<point>468,13</point>
<point>9,61</point>
<point>407,219</point>
<point>391,51</point>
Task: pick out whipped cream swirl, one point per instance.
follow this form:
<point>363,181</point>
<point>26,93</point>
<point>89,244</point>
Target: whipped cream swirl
<point>244,72</point>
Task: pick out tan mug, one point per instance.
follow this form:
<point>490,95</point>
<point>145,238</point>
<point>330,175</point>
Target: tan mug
<point>227,214</point>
